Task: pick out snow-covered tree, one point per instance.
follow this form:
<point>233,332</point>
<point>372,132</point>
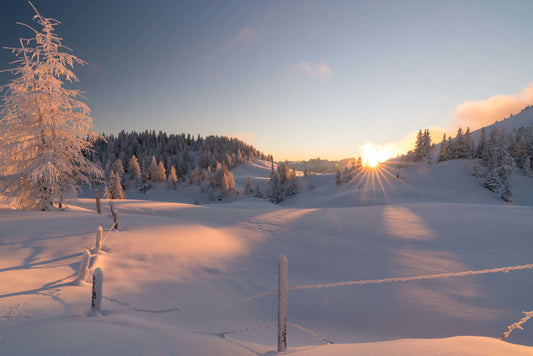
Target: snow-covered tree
<point>118,167</point>
<point>161,173</point>
<point>144,184</point>
<point>275,190</point>
<point>476,172</point>
<point>248,188</point>
<point>258,193</point>
<point>443,151</point>
<point>114,189</point>
<point>292,189</point>
<point>134,169</point>
<point>45,128</point>
<point>172,181</point>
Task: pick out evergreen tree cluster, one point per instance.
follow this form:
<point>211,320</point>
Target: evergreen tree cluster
<point>283,183</point>
<point>422,151</point>
<point>164,158</point>
<point>462,147</point>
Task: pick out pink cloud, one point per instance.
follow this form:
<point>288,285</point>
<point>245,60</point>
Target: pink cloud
<point>320,69</point>
<point>477,114</point>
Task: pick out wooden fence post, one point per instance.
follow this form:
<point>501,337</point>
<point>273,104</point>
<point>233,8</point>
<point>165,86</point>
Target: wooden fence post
<point>98,209</point>
<point>115,215</point>
<point>82,274</point>
<point>99,234</point>
<point>98,284</point>
<point>283,287</point>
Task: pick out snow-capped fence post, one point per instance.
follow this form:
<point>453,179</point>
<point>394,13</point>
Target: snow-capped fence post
<point>98,209</point>
<point>84,265</point>
<point>97,291</point>
<point>115,215</point>
<point>282,304</point>
<point>99,234</point>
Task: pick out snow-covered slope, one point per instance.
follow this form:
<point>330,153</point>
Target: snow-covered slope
<point>172,254</point>
<point>522,119</point>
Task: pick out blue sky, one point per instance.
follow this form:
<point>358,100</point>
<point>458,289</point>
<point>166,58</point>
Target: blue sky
<point>298,79</point>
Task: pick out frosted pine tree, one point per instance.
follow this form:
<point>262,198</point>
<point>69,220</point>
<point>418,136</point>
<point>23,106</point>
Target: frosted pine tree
<point>134,169</point>
<point>172,181</point>
<point>152,170</point>
<point>275,190</point>
<point>118,167</point>
<point>143,183</point>
<point>476,171</point>
<point>161,173</point>
<point>45,128</point>
<point>114,190</point>
<point>248,188</point>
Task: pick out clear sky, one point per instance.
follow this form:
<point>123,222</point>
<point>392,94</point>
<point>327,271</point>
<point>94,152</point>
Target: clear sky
<point>298,79</point>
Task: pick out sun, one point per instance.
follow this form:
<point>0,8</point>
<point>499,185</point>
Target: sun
<point>374,154</point>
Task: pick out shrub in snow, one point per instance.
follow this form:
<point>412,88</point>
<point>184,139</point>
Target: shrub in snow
<point>45,129</point>
<point>476,172</point>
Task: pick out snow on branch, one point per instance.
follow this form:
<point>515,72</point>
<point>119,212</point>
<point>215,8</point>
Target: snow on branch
<point>518,325</point>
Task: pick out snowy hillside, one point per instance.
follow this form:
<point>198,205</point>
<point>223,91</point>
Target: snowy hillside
<point>170,254</point>
<point>522,119</point>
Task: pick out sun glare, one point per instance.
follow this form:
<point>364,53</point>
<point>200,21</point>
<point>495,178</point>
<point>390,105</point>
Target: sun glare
<point>373,154</point>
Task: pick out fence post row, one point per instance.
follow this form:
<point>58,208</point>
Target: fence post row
<point>98,202</point>
<point>282,304</point>
<point>84,266</point>
<point>98,284</point>
<point>99,234</point>
<point>115,215</point>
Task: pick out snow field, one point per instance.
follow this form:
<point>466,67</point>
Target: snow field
<point>170,254</point>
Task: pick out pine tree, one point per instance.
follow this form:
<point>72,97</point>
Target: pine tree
<point>152,170</point>
<point>476,172</point>
<point>275,190</point>
<point>292,189</point>
<point>248,188</point>
<point>443,150</point>
<point>134,169</point>
<point>172,181</point>
<point>161,174</point>
<point>118,167</point>
<point>115,190</point>
<point>45,128</point>
<point>144,184</point>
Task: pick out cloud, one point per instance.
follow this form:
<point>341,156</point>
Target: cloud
<point>245,35</point>
<point>320,69</point>
<point>476,114</point>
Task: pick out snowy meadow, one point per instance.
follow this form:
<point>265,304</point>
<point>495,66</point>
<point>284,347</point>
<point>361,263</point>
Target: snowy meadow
<point>173,265</point>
